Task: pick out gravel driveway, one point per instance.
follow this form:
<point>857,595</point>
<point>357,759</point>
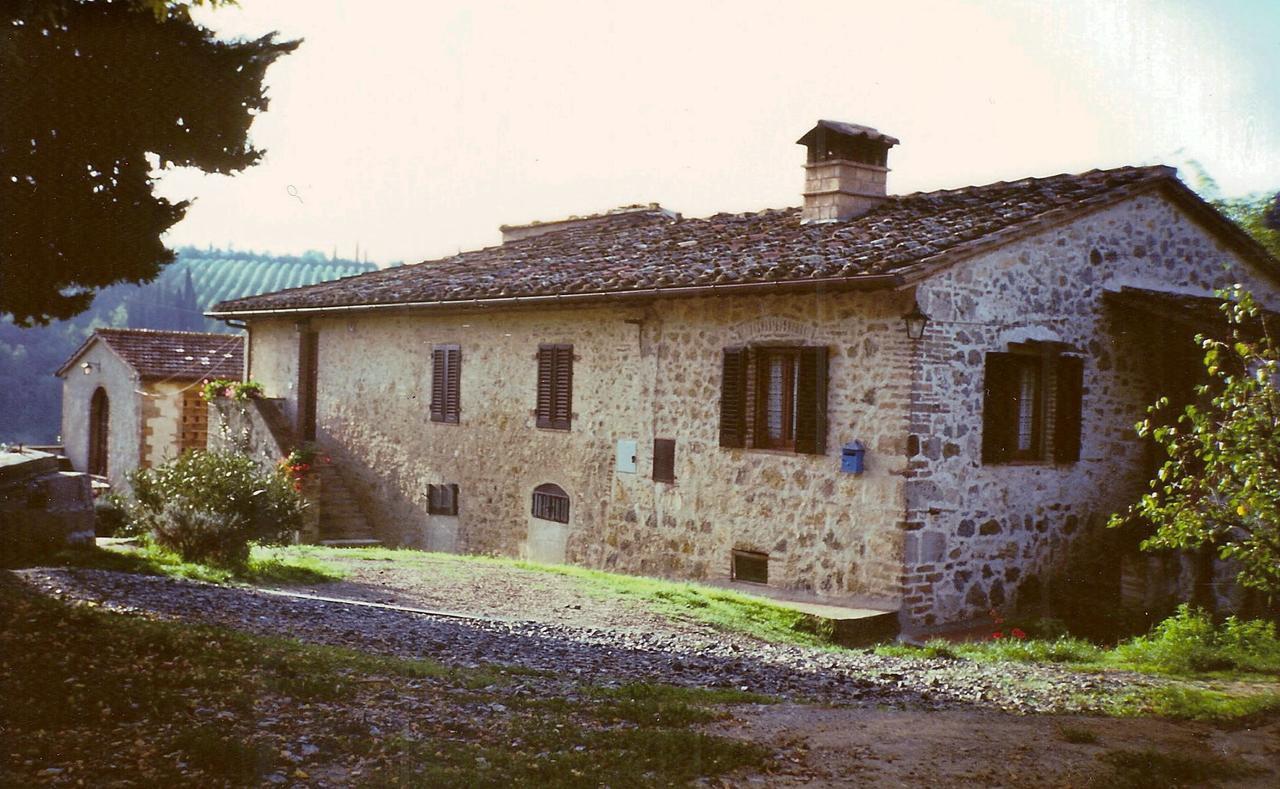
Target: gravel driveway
<point>633,646</point>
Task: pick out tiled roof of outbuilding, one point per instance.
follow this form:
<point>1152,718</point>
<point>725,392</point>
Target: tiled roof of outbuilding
<point>173,355</point>
<point>664,256</point>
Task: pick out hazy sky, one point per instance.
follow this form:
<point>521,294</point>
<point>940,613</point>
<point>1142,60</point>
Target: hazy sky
<point>414,129</point>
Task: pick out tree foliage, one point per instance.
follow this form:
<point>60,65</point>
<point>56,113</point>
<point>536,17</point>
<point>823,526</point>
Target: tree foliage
<point>1258,214</point>
<point>1220,486</point>
<point>95,95</point>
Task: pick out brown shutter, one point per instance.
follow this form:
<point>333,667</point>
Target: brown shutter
<point>811,402</point>
<point>1068,402</point>
<point>664,460</point>
<point>453,375</point>
<point>733,398</point>
<point>555,386</point>
<point>999,414</point>
<point>546,363</point>
<point>438,374</point>
<point>562,403</point>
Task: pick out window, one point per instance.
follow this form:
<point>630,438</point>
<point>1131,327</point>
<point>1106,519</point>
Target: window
<point>442,499</point>
<point>751,566</point>
<point>664,460</point>
<point>446,369</point>
<point>551,503</point>
<point>774,397</point>
<point>1032,405</point>
<point>555,386</point>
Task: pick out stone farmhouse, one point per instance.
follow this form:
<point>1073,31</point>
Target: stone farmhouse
<point>918,401</point>
<point>132,398</point>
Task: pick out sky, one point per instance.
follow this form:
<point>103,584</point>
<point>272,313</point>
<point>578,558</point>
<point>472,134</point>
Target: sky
<point>412,130</point>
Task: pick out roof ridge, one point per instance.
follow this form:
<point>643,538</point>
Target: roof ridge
<point>148,330</point>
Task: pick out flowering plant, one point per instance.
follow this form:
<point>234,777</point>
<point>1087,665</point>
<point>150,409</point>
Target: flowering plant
<point>299,463</point>
<point>998,621</point>
<point>236,390</point>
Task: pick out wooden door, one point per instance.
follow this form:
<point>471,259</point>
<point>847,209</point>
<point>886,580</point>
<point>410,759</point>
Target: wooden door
<point>99,431</point>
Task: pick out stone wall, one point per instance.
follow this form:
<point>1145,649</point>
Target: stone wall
<point>639,373</point>
<point>124,440</point>
<point>42,508</point>
<point>162,421</point>
<point>982,536</point>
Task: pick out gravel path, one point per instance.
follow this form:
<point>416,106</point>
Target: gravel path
<point>571,654</point>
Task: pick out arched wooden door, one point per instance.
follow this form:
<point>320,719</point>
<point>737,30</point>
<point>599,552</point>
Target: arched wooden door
<point>99,419</point>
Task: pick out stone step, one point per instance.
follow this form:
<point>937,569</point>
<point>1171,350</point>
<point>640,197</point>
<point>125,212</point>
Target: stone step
<point>351,543</point>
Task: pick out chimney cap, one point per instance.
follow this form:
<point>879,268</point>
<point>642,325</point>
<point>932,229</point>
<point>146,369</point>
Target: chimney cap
<point>847,130</point>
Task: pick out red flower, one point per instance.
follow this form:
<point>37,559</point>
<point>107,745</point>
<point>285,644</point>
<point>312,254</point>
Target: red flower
<point>997,635</point>
<point>1017,633</point>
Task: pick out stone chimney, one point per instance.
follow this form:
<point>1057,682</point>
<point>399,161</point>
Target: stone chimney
<point>845,172</point>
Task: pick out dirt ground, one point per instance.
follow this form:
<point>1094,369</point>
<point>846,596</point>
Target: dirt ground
<point>870,747</point>
<point>853,746</point>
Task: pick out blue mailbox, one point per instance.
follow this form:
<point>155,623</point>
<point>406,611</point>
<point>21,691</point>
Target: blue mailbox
<point>851,457</point>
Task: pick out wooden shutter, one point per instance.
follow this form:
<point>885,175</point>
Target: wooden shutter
<point>446,369</point>
<point>733,398</point>
<point>452,377</point>
<point>438,374</point>
<point>811,402</point>
<point>555,386</point>
<point>664,460</point>
<point>999,415</point>
<point>1068,409</point>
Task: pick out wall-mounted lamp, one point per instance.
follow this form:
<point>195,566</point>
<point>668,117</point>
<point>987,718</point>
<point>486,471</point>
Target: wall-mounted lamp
<point>86,368</point>
<point>915,322</point>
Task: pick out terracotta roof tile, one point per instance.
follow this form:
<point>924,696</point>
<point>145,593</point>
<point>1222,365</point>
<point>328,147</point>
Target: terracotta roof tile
<point>659,252</point>
<point>176,355</point>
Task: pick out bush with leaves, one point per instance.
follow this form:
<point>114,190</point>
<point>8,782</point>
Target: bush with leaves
<point>1189,643</point>
<point>1220,486</point>
<point>208,506</point>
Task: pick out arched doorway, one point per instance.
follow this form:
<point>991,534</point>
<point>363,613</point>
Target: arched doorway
<point>99,419</point>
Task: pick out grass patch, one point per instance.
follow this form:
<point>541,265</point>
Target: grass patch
<point>722,609</point>
<point>1064,650</point>
<point>109,698</point>
<point>1191,703</point>
<point>1187,644</point>
<point>1150,769</point>
<point>266,564</point>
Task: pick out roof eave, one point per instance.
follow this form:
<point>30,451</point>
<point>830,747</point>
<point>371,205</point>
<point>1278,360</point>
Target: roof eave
<point>866,282</point>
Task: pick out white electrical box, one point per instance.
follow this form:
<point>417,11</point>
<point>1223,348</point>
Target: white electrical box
<point>626,455</point>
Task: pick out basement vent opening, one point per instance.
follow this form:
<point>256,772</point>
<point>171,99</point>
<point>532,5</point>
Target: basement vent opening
<point>751,566</point>
<point>551,503</point>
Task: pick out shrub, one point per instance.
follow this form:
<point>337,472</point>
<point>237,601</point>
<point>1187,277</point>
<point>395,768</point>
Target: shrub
<point>1188,642</point>
<point>208,507</point>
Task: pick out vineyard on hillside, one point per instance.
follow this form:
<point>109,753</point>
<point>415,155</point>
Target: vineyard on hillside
<point>30,396</point>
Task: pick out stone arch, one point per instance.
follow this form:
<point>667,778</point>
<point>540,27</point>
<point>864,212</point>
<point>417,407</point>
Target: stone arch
<point>99,431</point>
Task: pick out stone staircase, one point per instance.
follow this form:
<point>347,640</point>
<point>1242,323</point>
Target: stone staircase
<point>341,520</point>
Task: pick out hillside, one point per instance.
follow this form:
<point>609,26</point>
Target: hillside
<point>30,397</point>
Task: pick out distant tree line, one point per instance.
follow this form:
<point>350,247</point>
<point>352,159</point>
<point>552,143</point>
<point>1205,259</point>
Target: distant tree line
<point>30,397</point>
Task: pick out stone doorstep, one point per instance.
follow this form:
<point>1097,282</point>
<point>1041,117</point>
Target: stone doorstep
<point>852,625</point>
